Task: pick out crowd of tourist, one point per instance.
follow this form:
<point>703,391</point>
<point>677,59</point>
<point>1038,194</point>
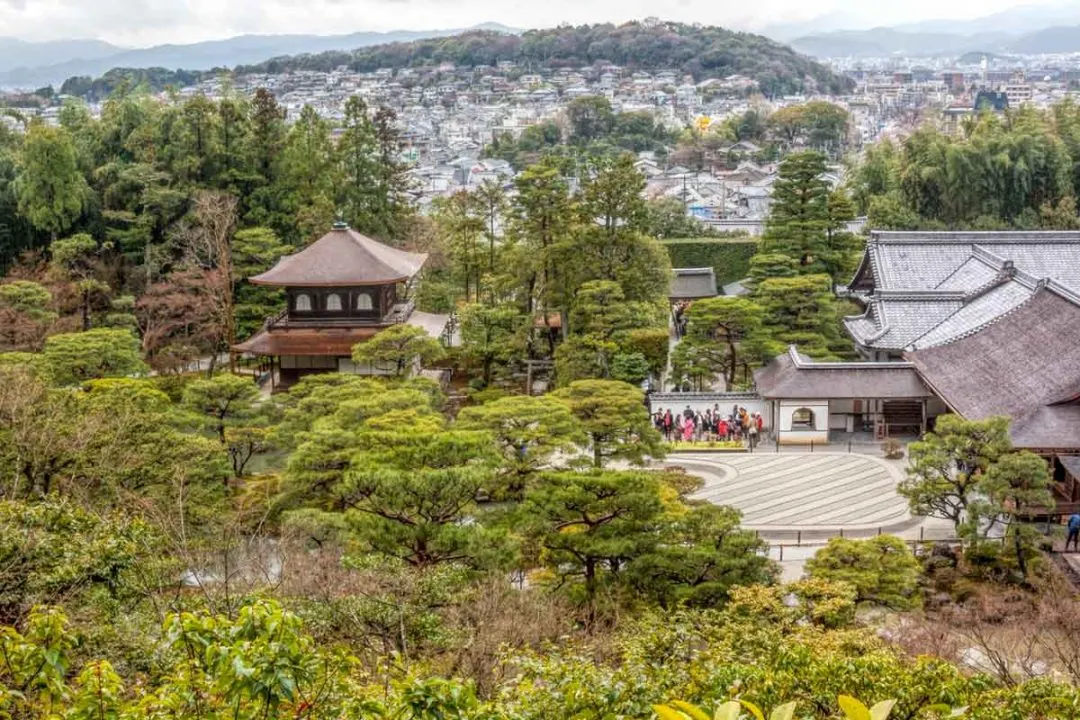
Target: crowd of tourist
<point>693,426</point>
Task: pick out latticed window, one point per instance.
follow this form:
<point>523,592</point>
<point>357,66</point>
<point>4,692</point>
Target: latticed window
<point>333,302</point>
<point>363,302</point>
<point>303,303</point>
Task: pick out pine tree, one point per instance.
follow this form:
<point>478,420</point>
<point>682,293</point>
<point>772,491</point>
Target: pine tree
<point>799,218</point>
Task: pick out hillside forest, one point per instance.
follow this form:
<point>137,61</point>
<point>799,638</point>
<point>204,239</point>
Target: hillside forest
<point>177,542</point>
<point>701,51</point>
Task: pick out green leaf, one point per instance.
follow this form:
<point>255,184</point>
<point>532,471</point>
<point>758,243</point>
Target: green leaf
<point>668,713</point>
<point>728,711</point>
<point>853,709</point>
<point>783,712</point>
<point>693,711</point>
<point>239,668</point>
<point>882,709</point>
<point>754,709</point>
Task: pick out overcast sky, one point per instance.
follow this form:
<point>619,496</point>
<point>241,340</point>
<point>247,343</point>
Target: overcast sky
<point>149,22</point>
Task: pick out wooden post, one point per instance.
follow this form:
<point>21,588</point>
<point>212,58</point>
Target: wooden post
<point>922,426</point>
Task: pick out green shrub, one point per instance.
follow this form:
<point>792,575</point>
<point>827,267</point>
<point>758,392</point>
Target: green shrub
<point>729,257</point>
<point>653,343</point>
<point>883,570</point>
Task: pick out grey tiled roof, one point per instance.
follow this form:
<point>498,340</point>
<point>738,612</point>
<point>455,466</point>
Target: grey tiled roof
<point>974,315</point>
<point>893,323</point>
<point>918,260</point>
<point>932,288</point>
<point>972,273</point>
<point>1025,365</point>
<point>915,267</point>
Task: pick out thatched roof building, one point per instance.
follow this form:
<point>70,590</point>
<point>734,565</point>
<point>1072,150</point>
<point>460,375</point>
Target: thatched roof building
<point>793,375</point>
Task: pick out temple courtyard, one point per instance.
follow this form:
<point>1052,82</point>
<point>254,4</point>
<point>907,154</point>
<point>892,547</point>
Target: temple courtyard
<point>797,501</point>
<point>809,494</point>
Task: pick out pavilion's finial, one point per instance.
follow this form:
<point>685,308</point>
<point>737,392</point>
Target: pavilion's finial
<point>340,223</point>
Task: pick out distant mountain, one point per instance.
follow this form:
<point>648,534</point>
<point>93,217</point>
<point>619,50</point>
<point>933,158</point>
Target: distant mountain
<point>1050,40</point>
<point>19,53</point>
<point>785,32</point>
<point>1022,29</point>
<point>1018,20</point>
<point>40,67</point>
<point>890,41</point>
<point>879,42</point>
<point>701,51</point>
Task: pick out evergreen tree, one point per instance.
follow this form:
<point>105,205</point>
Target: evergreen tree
<point>358,148</point>
<point>798,221</point>
<point>802,311</point>
<point>50,189</point>
<point>309,175</point>
<point>729,325</point>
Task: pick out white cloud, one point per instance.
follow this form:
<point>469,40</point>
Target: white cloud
<point>147,22</point>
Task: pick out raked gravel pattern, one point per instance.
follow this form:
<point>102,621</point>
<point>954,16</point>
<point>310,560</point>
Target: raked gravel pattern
<point>805,491</point>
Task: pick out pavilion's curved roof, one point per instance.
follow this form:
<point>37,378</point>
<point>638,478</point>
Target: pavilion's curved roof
<point>343,258</point>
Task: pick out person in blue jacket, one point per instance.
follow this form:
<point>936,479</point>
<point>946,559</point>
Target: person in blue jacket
<point>1074,532</point>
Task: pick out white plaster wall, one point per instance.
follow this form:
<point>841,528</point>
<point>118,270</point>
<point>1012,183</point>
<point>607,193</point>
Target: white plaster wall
<point>818,434</point>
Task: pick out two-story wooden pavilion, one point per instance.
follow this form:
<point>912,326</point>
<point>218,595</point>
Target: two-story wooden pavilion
<point>340,291</point>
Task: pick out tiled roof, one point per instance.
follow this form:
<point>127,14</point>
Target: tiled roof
<point>932,288</point>
<point>1021,365</point>
<point>972,273</point>
<point>343,258</point>
<point>974,315</point>
<point>926,260</point>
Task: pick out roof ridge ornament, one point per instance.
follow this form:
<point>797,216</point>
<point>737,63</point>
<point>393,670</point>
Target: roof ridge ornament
<point>340,223</point>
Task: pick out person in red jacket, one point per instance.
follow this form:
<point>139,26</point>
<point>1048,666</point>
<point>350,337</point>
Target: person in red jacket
<point>722,429</point>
